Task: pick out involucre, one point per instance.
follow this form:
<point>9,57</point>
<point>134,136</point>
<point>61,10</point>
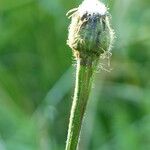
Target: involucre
<point>90,33</point>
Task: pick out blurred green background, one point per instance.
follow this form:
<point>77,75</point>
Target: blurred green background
<point>37,78</point>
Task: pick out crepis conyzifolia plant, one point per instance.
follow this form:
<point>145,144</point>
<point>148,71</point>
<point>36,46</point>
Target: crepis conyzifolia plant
<point>90,38</point>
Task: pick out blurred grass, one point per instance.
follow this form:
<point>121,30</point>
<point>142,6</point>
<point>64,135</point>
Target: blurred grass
<point>36,79</point>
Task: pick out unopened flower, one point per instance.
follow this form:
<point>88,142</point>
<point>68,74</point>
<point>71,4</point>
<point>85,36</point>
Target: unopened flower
<point>90,34</point>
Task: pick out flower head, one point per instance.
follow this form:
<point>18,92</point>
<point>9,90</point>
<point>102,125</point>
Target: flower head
<point>90,33</point>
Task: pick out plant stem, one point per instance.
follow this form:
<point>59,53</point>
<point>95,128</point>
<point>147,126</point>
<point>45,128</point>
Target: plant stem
<point>84,78</point>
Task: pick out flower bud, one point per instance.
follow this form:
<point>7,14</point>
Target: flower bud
<point>89,32</point>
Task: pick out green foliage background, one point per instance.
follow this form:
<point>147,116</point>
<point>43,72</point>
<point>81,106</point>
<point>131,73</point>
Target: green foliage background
<point>37,76</point>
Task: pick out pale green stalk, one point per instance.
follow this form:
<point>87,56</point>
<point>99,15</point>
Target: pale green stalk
<point>84,78</point>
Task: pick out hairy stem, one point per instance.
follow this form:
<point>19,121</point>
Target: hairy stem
<point>84,78</point>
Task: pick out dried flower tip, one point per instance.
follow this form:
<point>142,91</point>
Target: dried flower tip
<point>92,6</point>
<point>89,32</point>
